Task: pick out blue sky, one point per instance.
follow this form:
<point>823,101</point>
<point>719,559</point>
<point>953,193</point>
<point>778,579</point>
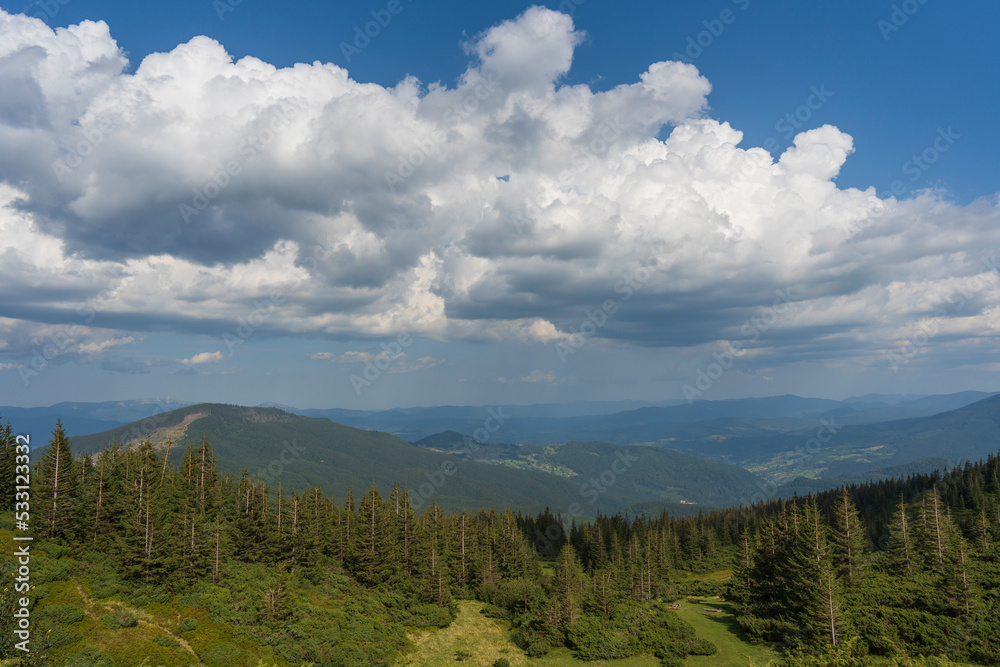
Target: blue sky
<point>521,263</point>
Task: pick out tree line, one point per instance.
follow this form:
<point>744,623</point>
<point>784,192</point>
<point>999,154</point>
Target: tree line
<point>908,565</point>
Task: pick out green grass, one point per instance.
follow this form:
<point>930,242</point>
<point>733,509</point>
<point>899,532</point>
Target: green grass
<point>721,630</point>
<point>486,639</point>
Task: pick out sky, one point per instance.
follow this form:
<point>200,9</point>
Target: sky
<point>398,203</point>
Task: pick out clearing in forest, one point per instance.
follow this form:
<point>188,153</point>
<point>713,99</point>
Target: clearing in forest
<point>720,628</point>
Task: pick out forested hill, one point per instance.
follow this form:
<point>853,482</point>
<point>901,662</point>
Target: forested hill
<point>306,451</point>
<point>862,576</point>
<point>964,434</point>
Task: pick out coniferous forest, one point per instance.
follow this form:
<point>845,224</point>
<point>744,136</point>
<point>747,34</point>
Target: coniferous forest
<point>870,574</point>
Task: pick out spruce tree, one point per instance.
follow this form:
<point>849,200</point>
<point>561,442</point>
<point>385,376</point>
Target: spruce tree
<point>829,607</point>
<point>849,542</point>
<point>934,532</point>
<point>8,466</point>
<point>56,480</point>
<point>900,557</point>
<point>568,585</point>
<point>367,560</point>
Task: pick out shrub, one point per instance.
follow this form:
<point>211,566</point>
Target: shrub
<point>593,638</point>
<point>47,570</point>
<point>462,655</point>
<point>166,641</point>
<point>189,624</point>
<point>702,647</point>
<point>501,662</point>
<point>221,652</point>
<point>121,619</point>
<point>89,657</point>
<point>60,636</point>
<point>64,614</point>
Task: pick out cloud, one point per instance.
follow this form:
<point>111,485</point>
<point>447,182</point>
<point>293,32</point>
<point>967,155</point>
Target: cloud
<point>546,377</point>
<point>144,199</point>
<point>353,357</point>
<point>129,366</point>
<point>410,366</point>
<point>204,358</point>
<point>392,363</point>
<point>98,347</point>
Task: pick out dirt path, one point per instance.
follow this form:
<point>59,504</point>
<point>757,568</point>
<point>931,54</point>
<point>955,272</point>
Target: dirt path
<point>97,609</point>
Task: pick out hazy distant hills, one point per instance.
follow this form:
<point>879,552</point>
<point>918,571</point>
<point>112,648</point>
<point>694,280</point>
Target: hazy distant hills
<point>82,418</point>
<point>584,478</point>
<point>868,436</point>
<point>621,422</point>
<point>640,474</point>
<point>967,433</point>
<point>649,424</point>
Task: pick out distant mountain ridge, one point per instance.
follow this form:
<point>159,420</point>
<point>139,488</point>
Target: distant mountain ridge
<point>305,451</point>
<point>764,435</point>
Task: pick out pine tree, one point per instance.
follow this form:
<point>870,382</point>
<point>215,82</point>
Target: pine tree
<point>367,561</point>
<point>461,549</point>
<point>741,586</point>
<point>56,480</point>
<point>957,586</point>
<point>934,532</point>
<point>849,542</point>
<point>8,467</point>
<point>435,555</point>
<point>829,614</point>
<point>568,585</point>
<point>900,556</point>
<point>207,477</point>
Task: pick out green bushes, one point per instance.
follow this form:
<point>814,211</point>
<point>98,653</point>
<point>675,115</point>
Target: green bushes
<point>89,657</point>
<point>56,636</point>
<point>63,614</point>
<point>189,624</point>
<point>120,619</point>
<point>166,641</point>
<point>702,647</point>
<point>501,662</point>
<point>593,638</point>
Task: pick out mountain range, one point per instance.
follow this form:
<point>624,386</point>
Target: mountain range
<point>681,457</point>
